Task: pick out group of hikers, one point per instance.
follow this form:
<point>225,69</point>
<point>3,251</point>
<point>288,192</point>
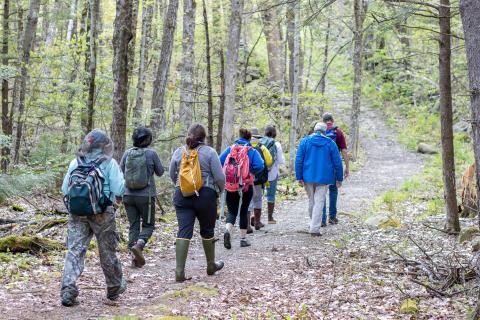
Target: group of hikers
<point>95,186</point>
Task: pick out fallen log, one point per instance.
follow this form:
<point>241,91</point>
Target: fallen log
<point>32,244</point>
<point>51,223</point>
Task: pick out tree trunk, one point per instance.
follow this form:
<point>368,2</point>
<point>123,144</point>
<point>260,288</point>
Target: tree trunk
<point>221,108</point>
<point>145,44</point>
<point>131,48</point>
<point>158,105</point>
<point>445,83</point>
<point>234,32</point>
<point>28,40</point>
<point>85,34</point>
<point>92,67</point>
<point>218,45</point>
<point>188,61</point>
<point>122,34</point>
<point>325,62</point>
<point>295,7</point>
<point>5,118</point>
<point>290,44</point>
<point>360,10</point>
<point>274,46</point>
<point>209,77</point>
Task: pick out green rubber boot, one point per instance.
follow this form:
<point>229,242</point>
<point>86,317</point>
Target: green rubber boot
<point>212,265</point>
<point>181,252</point>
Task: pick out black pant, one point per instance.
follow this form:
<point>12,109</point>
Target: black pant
<point>233,200</point>
<point>137,211</point>
<point>203,207</point>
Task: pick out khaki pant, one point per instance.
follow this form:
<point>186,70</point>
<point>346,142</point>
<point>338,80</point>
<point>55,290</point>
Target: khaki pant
<point>316,201</point>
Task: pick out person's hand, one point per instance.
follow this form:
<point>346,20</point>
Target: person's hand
<point>339,184</point>
<point>118,202</point>
<point>346,173</point>
<point>300,182</point>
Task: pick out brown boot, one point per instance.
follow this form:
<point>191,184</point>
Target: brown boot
<point>258,214</point>
<point>271,208</point>
<point>137,252</point>
<point>251,222</point>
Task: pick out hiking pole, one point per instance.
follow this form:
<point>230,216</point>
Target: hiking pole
<point>222,204</point>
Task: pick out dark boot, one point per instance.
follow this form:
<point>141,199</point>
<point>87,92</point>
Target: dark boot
<point>271,208</point>
<point>252,222</point>
<point>181,252</point>
<point>137,252</point>
<point>212,265</point>
<point>258,214</point>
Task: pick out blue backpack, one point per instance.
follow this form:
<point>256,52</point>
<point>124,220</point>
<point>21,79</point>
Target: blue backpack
<point>269,143</point>
<point>85,189</point>
<point>332,133</point>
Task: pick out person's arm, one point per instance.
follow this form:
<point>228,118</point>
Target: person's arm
<point>157,165</point>
<point>116,179</point>
<point>71,166</point>
<point>299,161</point>
<point>256,162</point>
<point>173,170</point>
<point>342,145</point>
<point>337,163</point>
<point>267,156</point>
<point>217,171</point>
<point>347,162</point>
<point>224,155</point>
<point>280,155</point>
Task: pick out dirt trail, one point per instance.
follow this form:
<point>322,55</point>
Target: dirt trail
<point>284,272</point>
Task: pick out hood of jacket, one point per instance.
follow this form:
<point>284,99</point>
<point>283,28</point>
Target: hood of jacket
<point>318,140</point>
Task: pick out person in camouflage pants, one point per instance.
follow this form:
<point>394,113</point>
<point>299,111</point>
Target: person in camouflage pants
<point>81,228</point>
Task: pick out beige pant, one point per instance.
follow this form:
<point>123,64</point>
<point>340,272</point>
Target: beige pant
<point>316,200</point>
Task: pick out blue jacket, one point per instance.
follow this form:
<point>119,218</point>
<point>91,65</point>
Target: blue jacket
<point>318,160</point>
<point>256,161</point>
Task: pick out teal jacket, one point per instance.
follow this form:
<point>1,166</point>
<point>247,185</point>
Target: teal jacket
<point>114,185</point>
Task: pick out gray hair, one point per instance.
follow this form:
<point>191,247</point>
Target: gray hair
<point>320,127</point>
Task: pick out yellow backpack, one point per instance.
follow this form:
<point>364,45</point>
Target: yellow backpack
<point>190,175</point>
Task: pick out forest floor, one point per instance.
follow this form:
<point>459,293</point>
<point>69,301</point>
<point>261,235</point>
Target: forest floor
<point>351,272</point>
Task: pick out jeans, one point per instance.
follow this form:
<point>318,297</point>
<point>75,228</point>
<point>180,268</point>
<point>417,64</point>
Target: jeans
<point>137,213</point>
<point>316,203</point>
<point>332,203</point>
<point>272,191</point>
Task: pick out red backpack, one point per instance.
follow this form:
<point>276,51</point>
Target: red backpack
<point>237,169</point>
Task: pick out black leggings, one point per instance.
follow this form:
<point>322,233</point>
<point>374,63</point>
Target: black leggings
<point>203,207</point>
<point>233,200</point>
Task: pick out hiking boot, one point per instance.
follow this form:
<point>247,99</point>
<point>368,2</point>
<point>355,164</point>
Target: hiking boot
<point>244,243</point>
<point>181,252</point>
<point>252,219</point>
<point>271,208</point>
<point>333,220</point>
<point>316,234</point>
<point>135,263</point>
<point>226,240</point>
<point>137,252</point>
<point>114,296</point>
<point>257,215</point>
<point>69,300</point>
<point>249,230</point>
<point>324,224</point>
<point>212,265</point>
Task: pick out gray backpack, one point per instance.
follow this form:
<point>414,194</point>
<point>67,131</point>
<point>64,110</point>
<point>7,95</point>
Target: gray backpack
<point>136,173</point>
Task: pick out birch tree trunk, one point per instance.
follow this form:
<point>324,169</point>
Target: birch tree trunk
<point>234,32</point>
<point>274,46</point>
<point>188,61</point>
<point>290,44</point>
<point>145,43</point>
<point>24,59</point>
<point>325,62</point>
<point>122,34</point>
<point>5,118</point>
<point>158,99</point>
<point>360,10</point>
<point>446,119</point>
<point>209,77</point>
<point>295,6</point>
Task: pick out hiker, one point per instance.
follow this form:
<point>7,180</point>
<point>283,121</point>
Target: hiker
<point>198,177</point>
<point>93,188</point>
<point>259,181</point>
<point>240,162</point>
<point>139,164</point>
<point>337,135</point>
<point>276,151</point>
<point>318,165</point>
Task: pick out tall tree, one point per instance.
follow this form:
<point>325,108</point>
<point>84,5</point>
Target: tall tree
<point>188,61</point>
<point>470,12</point>
<point>24,61</point>
<point>122,34</point>
<point>295,7</point>
<point>360,8</point>
<point>94,14</point>
<point>446,117</point>
<point>274,45</point>
<point>5,119</point>
<point>234,32</point>
<point>325,61</point>
<point>218,47</point>
<point>145,43</point>
<point>159,85</point>
<point>209,77</point>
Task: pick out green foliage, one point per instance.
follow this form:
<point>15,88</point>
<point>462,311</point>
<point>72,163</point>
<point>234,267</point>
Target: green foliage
<point>22,184</point>
<point>409,306</point>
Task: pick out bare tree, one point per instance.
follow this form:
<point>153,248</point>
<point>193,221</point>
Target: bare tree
<point>5,119</point>
<point>360,8</point>
<point>325,61</point>
<point>295,7</point>
<point>160,83</point>
<point>188,61</point>
<point>122,34</point>
<point>234,31</point>
<point>24,61</point>
<point>209,77</point>
<point>274,46</point>
<point>94,14</point>
<point>218,47</point>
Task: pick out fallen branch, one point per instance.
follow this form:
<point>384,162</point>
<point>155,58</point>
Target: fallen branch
<point>51,223</point>
<point>28,244</point>
<point>430,288</point>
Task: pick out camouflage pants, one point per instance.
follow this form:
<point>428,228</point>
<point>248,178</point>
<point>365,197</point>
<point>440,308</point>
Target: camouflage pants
<point>80,232</point>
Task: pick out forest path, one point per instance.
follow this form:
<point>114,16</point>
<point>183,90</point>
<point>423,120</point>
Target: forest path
<point>284,272</point>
